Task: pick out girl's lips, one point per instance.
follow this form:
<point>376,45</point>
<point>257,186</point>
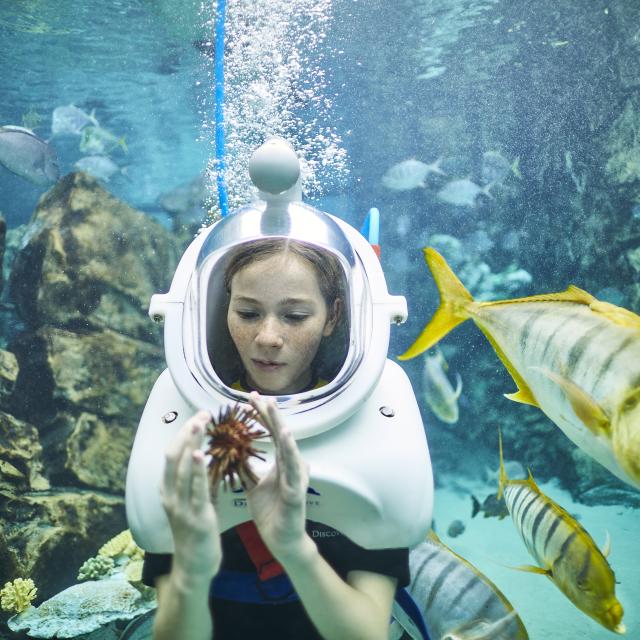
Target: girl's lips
<point>264,365</point>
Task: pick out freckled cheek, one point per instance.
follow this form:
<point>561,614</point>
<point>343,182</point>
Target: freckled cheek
<point>240,336</point>
<point>305,345</point>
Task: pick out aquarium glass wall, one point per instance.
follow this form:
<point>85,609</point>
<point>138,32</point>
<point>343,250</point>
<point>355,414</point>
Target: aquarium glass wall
<point>500,142</point>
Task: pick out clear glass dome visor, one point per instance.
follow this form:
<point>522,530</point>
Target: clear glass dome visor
<point>211,353</point>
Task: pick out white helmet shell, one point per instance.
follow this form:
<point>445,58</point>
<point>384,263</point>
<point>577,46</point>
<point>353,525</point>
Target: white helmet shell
<point>195,313</point>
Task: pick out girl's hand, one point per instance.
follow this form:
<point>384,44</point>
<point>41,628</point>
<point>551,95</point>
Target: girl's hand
<point>187,501</point>
<point>278,501</point>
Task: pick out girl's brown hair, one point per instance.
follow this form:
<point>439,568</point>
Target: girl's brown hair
<point>327,267</point>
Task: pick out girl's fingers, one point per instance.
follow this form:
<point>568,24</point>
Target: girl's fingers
<point>288,455</point>
<point>178,464</point>
<point>288,459</point>
<point>266,419</point>
<point>172,458</point>
<point>291,460</point>
<point>261,407</point>
<point>199,482</point>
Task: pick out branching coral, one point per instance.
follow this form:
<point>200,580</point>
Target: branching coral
<point>16,596</point>
<point>122,544</point>
<point>96,568</point>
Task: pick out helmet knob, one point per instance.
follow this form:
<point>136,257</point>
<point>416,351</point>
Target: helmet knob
<point>274,166</point>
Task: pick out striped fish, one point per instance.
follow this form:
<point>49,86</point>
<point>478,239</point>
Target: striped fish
<point>457,601</point>
<point>571,355</point>
<point>564,551</point>
<point>439,395</point>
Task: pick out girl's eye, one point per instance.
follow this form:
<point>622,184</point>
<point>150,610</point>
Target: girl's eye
<point>296,317</point>
<point>247,315</point>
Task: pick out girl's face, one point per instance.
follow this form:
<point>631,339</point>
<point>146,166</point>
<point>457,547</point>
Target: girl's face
<point>277,317</point>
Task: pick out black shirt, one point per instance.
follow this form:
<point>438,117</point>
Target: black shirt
<point>278,616</point>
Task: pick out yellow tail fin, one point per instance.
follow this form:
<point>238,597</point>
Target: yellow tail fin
<point>502,482</point>
<point>453,310</point>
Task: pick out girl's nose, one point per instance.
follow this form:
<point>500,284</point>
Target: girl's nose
<point>270,334</point>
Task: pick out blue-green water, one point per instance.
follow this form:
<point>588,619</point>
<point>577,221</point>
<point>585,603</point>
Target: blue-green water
<point>539,99</point>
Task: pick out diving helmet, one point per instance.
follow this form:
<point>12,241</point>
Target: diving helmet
<point>198,347</point>
<point>360,431</point>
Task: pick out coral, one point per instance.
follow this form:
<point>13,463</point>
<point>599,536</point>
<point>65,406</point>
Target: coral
<point>133,570</point>
<point>122,544</point>
<point>96,568</point>
<point>16,596</point>
<point>231,445</point>
<point>466,260</point>
<point>84,608</point>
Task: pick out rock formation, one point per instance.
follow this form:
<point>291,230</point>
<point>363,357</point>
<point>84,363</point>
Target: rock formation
<point>74,381</point>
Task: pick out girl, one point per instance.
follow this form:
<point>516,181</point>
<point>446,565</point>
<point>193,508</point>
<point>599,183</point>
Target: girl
<point>284,301</point>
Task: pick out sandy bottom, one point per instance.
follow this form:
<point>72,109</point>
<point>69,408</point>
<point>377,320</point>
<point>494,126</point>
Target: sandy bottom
<point>490,543</point>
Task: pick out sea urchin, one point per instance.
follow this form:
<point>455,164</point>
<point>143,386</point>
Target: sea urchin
<point>231,438</point>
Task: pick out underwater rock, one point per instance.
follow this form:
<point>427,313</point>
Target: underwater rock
<point>20,456</point>
<point>633,257</point>
<point>89,261</point>
<point>104,372</point>
<point>52,534</point>
<point>595,485</point>
<point>8,376</point>
<point>625,15</point>
<point>75,446</point>
<point>623,165</point>
<point>3,235</point>
<point>611,495</point>
<point>83,608</point>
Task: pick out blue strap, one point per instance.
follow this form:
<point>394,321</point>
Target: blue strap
<point>242,586</point>
<point>219,92</point>
<point>409,606</point>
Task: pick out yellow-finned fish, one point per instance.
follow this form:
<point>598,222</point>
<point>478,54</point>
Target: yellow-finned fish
<point>456,600</point>
<point>573,356</point>
<point>439,395</point>
<point>564,551</point>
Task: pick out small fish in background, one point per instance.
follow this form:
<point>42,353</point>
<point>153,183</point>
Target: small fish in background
<point>563,549</point>
<point>635,211</point>
<point>71,120</point>
<point>439,395</point>
<point>410,174</point>
<point>456,528</point>
<point>463,192</point>
<point>32,119</point>
<point>28,156</point>
<point>101,167</point>
<point>491,507</point>
<point>495,167</point>
<point>95,140</point>
<point>456,600</point>
<point>431,72</point>
<point>571,355</point>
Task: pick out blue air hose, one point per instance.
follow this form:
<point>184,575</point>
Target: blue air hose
<point>219,93</point>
